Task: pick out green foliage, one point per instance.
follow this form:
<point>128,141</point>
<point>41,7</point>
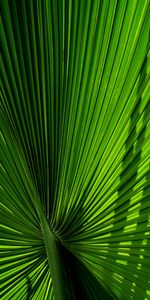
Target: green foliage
<point>75,149</point>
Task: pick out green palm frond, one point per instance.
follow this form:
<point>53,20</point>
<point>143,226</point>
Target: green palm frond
<point>75,149</point>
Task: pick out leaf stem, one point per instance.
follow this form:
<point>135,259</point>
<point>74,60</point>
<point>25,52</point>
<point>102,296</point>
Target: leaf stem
<point>56,263</point>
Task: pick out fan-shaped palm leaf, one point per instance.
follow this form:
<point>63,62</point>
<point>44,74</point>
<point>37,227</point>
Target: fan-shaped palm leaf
<point>75,149</point>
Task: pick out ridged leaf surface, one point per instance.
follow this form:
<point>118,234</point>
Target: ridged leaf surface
<point>75,148</point>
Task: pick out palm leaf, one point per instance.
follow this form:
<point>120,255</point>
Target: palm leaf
<point>75,149</point>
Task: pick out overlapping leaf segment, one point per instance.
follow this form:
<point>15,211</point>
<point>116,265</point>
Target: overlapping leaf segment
<point>75,140</point>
